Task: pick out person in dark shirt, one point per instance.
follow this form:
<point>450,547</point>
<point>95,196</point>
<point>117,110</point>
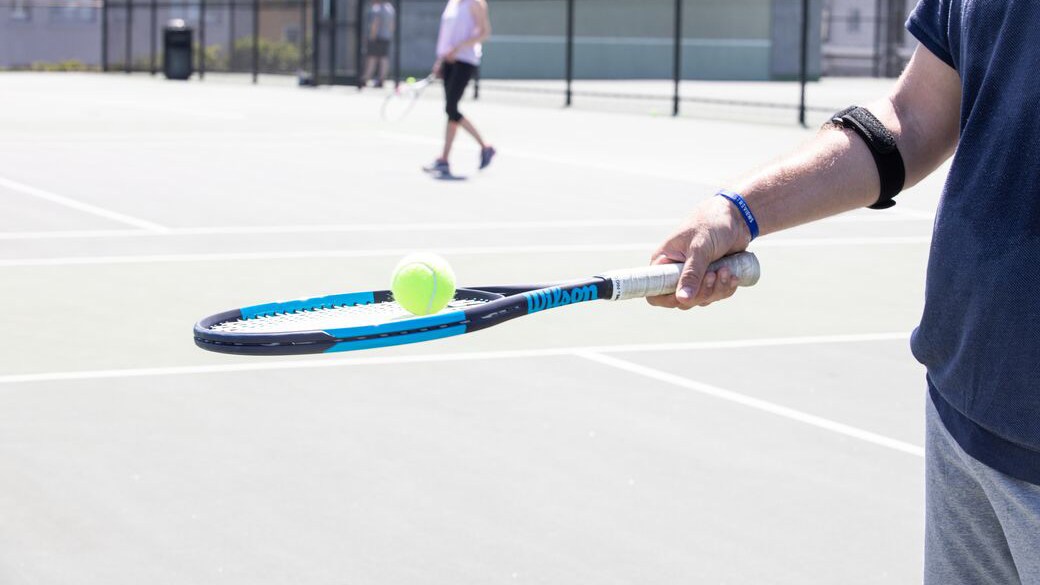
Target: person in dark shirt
<point>970,91</point>
<point>381,16</point>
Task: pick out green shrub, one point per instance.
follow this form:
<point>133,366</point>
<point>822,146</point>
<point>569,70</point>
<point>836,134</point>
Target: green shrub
<point>274,56</point>
<point>67,65</point>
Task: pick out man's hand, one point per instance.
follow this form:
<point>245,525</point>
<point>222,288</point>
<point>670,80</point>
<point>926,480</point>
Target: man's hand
<point>714,230</point>
<point>436,71</point>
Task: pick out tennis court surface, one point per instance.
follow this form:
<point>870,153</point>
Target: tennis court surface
<point>775,438</point>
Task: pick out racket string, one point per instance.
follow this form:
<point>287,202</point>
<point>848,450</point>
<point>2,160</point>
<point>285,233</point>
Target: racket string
<point>330,317</point>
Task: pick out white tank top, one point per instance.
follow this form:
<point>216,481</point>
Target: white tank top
<point>457,25</point>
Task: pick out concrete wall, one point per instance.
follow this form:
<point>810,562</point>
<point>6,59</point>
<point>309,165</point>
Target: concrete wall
<point>628,39</point>
<point>30,34</point>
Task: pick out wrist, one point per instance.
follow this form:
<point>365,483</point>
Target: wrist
<point>741,217</point>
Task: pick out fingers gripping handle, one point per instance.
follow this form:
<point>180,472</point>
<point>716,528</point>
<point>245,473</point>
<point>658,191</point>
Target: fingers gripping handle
<point>660,279</point>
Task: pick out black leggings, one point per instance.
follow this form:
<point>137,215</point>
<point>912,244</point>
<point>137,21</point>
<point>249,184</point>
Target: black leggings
<point>456,78</point>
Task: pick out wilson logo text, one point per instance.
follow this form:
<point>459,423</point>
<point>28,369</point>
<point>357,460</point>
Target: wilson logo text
<point>551,298</point>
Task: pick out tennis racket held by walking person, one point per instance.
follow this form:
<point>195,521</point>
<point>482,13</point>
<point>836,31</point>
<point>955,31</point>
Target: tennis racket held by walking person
<point>403,98</point>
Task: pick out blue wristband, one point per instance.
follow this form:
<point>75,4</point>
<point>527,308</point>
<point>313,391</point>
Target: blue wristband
<point>745,211</point>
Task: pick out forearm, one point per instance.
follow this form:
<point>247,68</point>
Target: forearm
<point>835,172</point>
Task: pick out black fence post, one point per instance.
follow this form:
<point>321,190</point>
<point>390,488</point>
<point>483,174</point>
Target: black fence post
<point>360,43</point>
<point>803,69</point>
<point>155,33</point>
<point>333,33</point>
<point>303,34</point>
<point>570,51</point>
<point>677,58</point>
<point>129,36</point>
<point>397,43</point>
<point>231,36</point>
<point>104,35</point>
<point>315,36</point>
<point>202,39</point>
<point>877,38</point>
<point>256,40</point>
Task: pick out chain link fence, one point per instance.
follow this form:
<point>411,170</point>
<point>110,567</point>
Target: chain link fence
<point>244,36</point>
<point>661,52</point>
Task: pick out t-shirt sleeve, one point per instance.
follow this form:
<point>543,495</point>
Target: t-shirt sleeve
<point>930,24</point>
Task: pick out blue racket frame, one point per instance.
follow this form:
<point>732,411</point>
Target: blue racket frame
<point>502,303</point>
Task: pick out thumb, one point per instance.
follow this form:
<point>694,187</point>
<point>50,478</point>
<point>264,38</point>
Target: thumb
<point>690,280</point>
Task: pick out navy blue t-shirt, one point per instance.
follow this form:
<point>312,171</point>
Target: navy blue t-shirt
<point>980,333</point>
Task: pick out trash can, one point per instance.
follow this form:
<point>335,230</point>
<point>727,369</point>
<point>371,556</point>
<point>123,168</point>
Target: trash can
<point>177,50</point>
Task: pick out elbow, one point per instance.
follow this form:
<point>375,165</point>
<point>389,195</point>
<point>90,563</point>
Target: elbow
<point>926,135</point>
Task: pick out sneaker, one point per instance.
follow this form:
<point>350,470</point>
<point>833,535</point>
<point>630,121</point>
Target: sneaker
<point>486,154</point>
<point>438,167</point>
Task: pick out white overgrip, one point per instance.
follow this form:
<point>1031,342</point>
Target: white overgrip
<point>659,279</point>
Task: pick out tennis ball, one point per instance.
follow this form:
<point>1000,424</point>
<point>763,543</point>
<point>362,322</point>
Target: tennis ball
<point>423,283</point>
<point>410,80</point>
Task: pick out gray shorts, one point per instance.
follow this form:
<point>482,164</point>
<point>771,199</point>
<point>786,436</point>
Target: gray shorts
<point>378,47</point>
<point>981,526</point>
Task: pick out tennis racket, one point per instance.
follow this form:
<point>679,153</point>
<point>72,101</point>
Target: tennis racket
<point>366,320</point>
<point>400,102</point>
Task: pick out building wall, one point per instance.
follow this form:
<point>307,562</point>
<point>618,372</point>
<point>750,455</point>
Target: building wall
<point>30,34</point>
<point>866,37</point>
<point>787,40</point>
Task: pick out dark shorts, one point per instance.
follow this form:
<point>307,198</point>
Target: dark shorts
<point>379,47</point>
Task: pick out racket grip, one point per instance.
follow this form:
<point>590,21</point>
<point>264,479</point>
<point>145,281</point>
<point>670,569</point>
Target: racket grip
<point>660,279</point>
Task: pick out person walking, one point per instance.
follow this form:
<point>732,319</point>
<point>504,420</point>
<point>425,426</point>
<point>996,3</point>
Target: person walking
<point>969,92</point>
<point>465,25</point>
<point>381,23</point>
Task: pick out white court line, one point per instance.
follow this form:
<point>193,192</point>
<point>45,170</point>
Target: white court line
<point>77,100</point>
<point>755,403</point>
<point>313,254</point>
<point>833,242</point>
<point>700,177</point>
<point>199,111</point>
<point>634,41</point>
<point>346,228</point>
<point>411,227</point>
<point>80,206</point>
<point>260,364</point>
<point>460,251</point>
<point>909,213</point>
<point>595,354</point>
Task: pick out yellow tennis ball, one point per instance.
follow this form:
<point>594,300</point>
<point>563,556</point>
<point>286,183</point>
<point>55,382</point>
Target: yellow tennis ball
<point>410,80</point>
<point>423,283</point>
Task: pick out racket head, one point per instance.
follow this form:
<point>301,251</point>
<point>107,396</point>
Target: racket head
<point>402,99</point>
<point>332,323</point>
